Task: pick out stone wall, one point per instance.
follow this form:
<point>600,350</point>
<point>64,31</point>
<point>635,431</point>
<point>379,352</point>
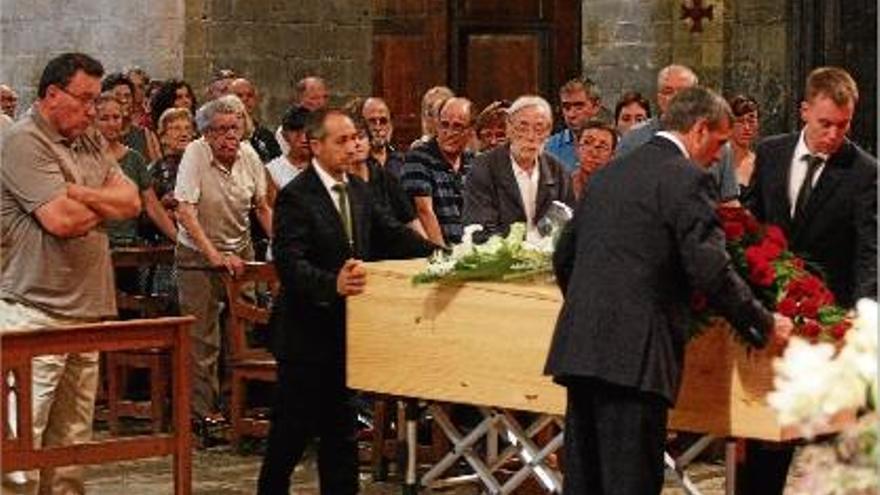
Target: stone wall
<point>148,33</point>
<point>741,49</point>
<point>277,42</point>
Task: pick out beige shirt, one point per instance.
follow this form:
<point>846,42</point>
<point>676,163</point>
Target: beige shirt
<point>223,198</point>
<point>70,278</point>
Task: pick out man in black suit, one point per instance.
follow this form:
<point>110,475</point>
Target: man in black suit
<point>643,238</point>
<point>821,189</point>
<point>517,182</point>
<point>325,223</point>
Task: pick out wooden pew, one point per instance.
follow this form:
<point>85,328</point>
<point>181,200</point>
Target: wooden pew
<point>18,349</point>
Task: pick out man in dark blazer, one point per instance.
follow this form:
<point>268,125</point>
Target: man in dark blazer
<point>643,238</point>
<point>517,182</point>
<point>821,189</point>
<point>325,223</point>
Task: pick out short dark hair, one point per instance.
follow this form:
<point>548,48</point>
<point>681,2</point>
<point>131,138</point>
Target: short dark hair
<point>493,115</point>
<point>629,98</point>
<point>61,69</point>
<point>584,84</point>
<point>316,123</point>
<point>295,118</point>
<point>692,104</point>
<point>597,124</point>
<point>742,104</point>
<point>165,96</point>
<point>116,79</point>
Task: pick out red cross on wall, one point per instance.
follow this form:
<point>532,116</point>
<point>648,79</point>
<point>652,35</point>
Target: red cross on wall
<point>696,13</point>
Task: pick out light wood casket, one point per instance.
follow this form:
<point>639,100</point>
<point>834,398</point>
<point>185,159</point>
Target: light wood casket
<point>486,343</point>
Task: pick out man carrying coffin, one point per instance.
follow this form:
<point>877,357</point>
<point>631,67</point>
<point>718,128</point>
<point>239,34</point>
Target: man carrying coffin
<point>644,237</point>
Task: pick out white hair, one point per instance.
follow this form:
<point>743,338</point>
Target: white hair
<point>225,104</point>
<point>679,69</point>
<point>528,101</point>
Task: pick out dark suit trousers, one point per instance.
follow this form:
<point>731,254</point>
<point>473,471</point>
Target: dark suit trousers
<point>614,439</point>
<point>312,402</point>
<point>765,469</point>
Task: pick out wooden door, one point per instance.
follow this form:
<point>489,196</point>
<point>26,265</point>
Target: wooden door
<point>502,49</point>
<point>483,49</point>
<point>409,56</point>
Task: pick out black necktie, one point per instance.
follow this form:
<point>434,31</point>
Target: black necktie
<point>344,211</point>
<point>803,196</point>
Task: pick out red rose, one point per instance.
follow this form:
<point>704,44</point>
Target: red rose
<point>752,225</point>
<point>811,329</point>
<point>762,274</point>
<point>770,249</point>
<point>698,302</point>
<point>796,289</point>
<point>734,231</point>
<point>787,307</point>
<point>798,263</point>
<point>826,297</point>
<point>731,213</point>
<point>812,284</point>
<point>840,329</point>
<point>774,235</point>
<point>810,307</point>
<point>755,255</point>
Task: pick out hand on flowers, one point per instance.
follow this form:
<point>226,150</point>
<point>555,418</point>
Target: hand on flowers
<point>351,279</point>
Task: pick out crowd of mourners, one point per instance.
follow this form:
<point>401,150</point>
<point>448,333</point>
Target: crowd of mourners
<point>152,162</point>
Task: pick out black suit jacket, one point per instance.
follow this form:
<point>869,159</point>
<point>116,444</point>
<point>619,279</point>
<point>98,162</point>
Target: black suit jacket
<point>837,234</point>
<point>643,237</point>
<point>310,247</point>
<point>492,198</point>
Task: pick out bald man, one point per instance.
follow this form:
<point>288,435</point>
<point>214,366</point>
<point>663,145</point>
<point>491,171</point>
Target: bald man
<point>377,115</point>
<point>8,100</point>
<point>262,140</point>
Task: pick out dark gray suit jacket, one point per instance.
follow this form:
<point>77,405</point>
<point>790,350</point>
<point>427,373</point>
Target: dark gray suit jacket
<point>645,235</point>
<point>492,198</point>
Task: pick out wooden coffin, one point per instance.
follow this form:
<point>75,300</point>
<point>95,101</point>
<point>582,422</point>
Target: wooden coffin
<point>486,343</point>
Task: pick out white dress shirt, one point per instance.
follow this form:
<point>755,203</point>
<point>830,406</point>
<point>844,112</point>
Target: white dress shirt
<point>528,190</point>
<point>677,142</point>
<point>798,171</point>
<point>329,182</point>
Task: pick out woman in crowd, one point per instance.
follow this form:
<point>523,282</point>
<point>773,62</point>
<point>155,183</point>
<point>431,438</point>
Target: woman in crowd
<point>284,168</point>
<point>745,132</point>
<point>140,81</point>
<point>173,93</point>
<point>631,110</point>
<point>219,181</point>
<point>109,123</point>
<point>491,125</point>
<point>138,138</point>
<point>384,187</point>
<point>175,133</point>
<point>596,142</point>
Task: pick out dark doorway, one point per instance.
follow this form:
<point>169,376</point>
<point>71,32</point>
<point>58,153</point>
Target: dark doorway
<point>831,32</point>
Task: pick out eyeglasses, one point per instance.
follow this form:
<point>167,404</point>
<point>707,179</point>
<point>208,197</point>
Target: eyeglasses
<point>84,100</point>
<point>225,129</point>
<point>378,121</point>
<point>595,144</point>
<point>453,127</point>
<point>752,121</point>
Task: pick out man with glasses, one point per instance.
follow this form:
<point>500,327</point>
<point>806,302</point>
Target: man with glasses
<point>57,187</point>
<point>579,99</point>
<point>518,181</point>
<point>434,173</point>
<point>378,118</point>
<point>219,181</point>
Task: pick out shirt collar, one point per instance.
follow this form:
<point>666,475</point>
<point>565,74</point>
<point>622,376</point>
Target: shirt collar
<point>325,176</point>
<point>45,126</point>
<point>676,141</point>
<point>519,170</point>
<point>802,149</point>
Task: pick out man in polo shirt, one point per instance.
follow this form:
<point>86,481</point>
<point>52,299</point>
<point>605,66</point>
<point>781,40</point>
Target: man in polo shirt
<point>57,186</point>
<point>434,173</point>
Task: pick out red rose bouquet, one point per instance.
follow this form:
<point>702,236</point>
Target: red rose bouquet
<point>778,278</point>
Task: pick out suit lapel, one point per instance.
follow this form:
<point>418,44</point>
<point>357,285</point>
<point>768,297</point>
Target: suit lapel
<point>357,206</point>
<point>832,172</point>
<point>778,181</point>
<point>504,171</point>
<point>546,185</point>
<point>325,205</point>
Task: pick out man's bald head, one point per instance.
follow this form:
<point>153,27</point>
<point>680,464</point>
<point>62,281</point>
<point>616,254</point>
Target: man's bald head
<point>672,79</point>
<point>246,92</point>
<point>378,118</point>
<point>8,100</point>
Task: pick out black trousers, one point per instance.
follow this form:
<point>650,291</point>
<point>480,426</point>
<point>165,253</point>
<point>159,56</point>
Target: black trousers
<point>312,402</point>
<point>614,439</point>
<point>765,469</point>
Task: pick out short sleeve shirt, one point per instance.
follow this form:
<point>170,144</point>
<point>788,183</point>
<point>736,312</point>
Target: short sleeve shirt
<point>69,277</point>
<point>222,197</point>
